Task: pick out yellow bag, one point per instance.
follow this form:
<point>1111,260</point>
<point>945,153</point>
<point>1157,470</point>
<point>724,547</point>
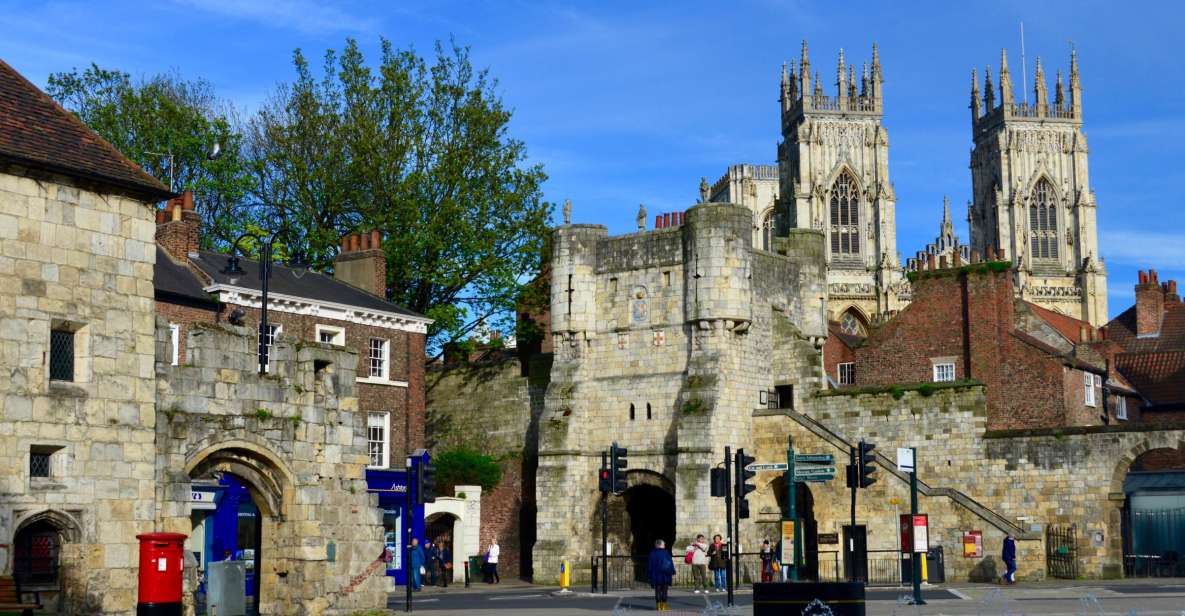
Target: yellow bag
<point>773,564</point>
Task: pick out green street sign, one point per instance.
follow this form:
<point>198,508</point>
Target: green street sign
<point>809,471</point>
<point>814,478</point>
<point>814,458</point>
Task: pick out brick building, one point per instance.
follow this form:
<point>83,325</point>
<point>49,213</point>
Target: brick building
<point>347,310</point>
<point>1040,368</point>
<point>1150,337</point>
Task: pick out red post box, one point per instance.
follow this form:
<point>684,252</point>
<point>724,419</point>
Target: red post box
<point>162,559</point>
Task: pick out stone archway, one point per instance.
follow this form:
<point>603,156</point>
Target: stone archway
<point>37,543</point>
<point>1157,452</point>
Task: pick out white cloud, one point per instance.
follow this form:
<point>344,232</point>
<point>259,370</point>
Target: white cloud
<point>302,15</point>
<point>1144,249</point>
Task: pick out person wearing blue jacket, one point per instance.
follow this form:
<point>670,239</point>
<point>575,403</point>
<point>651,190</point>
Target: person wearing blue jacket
<point>662,573</point>
<point>1009,557</point>
<point>417,563</point>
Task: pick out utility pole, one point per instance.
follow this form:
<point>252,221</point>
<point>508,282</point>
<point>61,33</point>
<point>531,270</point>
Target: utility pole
<point>913,512</point>
<point>409,503</point>
<point>728,514</point>
<point>790,498</point>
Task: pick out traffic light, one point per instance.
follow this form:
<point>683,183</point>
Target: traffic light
<point>719,481</point>
<point>865,460</point>
<point>743,487</point>
<point>425,483</point>
<point>617,466</point>
<point>604,483</point>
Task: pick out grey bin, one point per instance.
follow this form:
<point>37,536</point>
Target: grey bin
<point>226,588</point>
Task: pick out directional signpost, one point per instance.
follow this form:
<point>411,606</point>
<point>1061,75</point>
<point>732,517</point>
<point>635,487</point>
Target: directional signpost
<point>799,468</point>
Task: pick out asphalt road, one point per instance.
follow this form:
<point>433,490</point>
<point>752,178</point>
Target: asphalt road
<point>1051,599</point>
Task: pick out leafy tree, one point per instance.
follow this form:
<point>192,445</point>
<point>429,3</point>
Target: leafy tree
<point>420,151</point>
<point>465,467</point>
<point>162,115</point>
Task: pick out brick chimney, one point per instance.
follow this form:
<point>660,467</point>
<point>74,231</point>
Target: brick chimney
<point>362,262</point>
<point>1149,304</point>
<point>178,227</point>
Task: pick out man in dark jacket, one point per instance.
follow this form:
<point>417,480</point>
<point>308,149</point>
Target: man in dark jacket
<point>662,572</point>
<point>1009,557</point>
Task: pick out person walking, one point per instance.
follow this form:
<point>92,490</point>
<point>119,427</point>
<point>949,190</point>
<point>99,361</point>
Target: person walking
<point>697,557</point>
<point>416,564</point>
<point>662,572</point>
<point>718,562</point>
<point>767,562</point>
<point>446,565</point>
<point>1009,557</point>
<point>433,562</point>
<point>492,562</point>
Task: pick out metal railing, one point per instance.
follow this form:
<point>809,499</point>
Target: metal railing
<point>631,572</point>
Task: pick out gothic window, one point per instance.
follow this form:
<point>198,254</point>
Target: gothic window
<point>1043,221</point>
<point>851,325</point>
<point>767,230</point>
<point>845,217</point>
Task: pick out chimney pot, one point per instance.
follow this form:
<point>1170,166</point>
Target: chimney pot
<point>1082,336</point>
<point>942,262</point>
<point>353,242</point>
<point>1172,286</point>
<point>974,256</point>
<point>658,221</point>
<point>345,243</point>
<point>376,239</point>
<point>364,241</point>
<point>666,220</point>
<point>1152,277</point>
<point>1143,277</point>
<point>187,201</point>
<point>160,216</point>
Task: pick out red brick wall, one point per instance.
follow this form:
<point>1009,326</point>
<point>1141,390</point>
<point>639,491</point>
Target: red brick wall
<point>1160,460</point>
<point>184,316</point>
<point>836,352</point>
<point>503,511</point>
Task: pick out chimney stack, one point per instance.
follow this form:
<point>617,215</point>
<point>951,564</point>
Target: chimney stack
<point>178,227</point>
<point>362,262</point>
<point>1150,298</point>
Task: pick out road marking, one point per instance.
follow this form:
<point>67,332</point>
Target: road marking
<point>958,594</point>
<point>415,601</point>
<point>514,597</point>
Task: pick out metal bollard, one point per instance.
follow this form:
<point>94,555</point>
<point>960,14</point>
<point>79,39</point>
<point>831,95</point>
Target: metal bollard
<point>466,573</point>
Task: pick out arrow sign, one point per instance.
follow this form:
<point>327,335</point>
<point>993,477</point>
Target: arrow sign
<point>809,471</point>
<point>814,458</point>
<point>814,478</point>
<point>776,466</point>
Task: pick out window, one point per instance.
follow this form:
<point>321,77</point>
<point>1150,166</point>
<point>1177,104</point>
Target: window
<point>1088,381</point>
<point>61,355</point>
<point>379,356</point>
<point>39,464</point>
<point>329,334</point>
<point>648,413</point>
<point>377,443</point>
<point>1043,221</point>
<point>175,339</point>
<point>767,231</point>
<point>631,412</point>
<point>783,397</point>
<point>944,372</point>
<point>269,340</point>
<point>1120,407</point>
<point>847,373</point>
<point>852,325</point>
<point>845,217</point>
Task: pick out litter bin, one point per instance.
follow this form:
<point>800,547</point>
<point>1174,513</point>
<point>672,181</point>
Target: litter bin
<point>477,568</point>
<point>936,565</point>
<point>162,560</point>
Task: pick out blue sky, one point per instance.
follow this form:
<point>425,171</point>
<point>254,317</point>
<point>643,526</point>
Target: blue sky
<point>628,102</point>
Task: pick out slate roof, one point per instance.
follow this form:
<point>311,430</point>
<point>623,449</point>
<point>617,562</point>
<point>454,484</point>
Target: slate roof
<point>312,285</point>
<point>174,282</point>
<point>38,133</point>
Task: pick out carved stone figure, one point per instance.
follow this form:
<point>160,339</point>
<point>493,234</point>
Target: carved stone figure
<point>567,211</point>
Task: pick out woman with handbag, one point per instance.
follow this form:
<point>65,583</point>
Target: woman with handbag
<point>662,572</point>
<point>767,562</point>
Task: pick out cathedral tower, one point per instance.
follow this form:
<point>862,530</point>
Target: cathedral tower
<point>834,177</point>
<point>1032,201</point>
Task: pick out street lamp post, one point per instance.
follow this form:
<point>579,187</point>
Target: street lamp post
<point>265,272</point>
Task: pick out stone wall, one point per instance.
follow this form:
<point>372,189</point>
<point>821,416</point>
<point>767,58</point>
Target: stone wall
<point>490,407</point>
<point>80,261</point>
<point>296,438</point>
<point>992,481</point>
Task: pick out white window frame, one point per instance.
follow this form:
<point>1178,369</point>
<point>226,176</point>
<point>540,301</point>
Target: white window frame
<point>338,333</point>
<point>939,372</point>
<point>1121,407</point>
<point>384,358</point>
<point>1088,383</point>
<point>275,329</point>
<point>851,373</point>
<point>380,421</point>
<point>175,339</point>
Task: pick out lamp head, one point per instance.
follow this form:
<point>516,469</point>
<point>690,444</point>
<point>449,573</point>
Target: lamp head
<point>232,266</point>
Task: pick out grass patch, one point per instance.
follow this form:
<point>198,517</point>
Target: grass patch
<point>898,390</point>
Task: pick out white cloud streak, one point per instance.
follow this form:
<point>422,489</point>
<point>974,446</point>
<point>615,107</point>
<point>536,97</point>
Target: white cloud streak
<point>301,15</point>
<point>1144,248</point>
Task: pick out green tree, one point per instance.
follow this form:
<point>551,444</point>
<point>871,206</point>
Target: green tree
<point>465,467</point>
<point>420,151</point>
<point>162,115</point>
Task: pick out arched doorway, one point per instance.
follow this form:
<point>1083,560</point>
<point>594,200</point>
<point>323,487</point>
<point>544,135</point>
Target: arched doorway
<point>1153,514</point>
<point>440,529</point>
<point>651,513</point>
<point>36,549</point>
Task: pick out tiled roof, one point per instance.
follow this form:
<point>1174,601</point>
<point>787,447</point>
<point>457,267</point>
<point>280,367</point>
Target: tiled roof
<point>310,285</point>
<point>1158,376</point>
<point>1122,329</point>
<point>1067,359</point>
<point>1069,327</point>
<point>38,133</point>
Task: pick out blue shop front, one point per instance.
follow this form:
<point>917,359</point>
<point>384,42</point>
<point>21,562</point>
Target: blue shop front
<point>391,486</point>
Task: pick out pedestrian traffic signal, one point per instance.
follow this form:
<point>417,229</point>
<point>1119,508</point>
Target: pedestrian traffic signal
<point>617,466</point>
<point>865,460</point>
<point>603,482</point>
<point>425,483</point>
<point>719,481</point>
<point>743,487</point>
